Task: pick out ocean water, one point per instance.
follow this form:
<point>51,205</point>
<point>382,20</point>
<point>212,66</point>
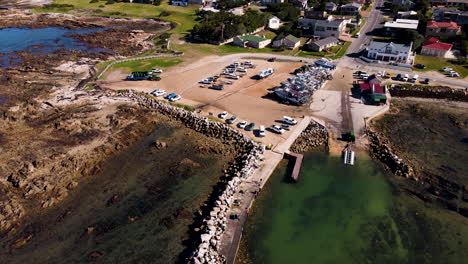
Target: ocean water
<point>40,41</point>
<point>158,192</point>
<point>347,214</point>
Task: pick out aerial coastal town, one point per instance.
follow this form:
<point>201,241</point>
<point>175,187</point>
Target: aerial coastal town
<point>233,131</point>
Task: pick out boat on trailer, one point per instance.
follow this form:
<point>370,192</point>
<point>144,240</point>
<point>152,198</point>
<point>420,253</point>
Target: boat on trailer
<point>349,157</point>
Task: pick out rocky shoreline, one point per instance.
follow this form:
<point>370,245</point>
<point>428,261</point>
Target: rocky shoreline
<point>436,92</point>
<point>314,137</point>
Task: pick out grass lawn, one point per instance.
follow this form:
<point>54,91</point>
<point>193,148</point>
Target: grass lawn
<point>146,65</point>
<point>436,64</point>
<point>267,34</point>
<point>191,49</point>
<point>334,53</point>
<point>184,17</point>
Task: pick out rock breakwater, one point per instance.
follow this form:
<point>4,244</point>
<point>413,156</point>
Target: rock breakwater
<point>437,92</point>
<point>313,137</point>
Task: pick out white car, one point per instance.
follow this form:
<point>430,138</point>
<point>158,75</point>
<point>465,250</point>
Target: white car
<point>289,120</point>
<point>158,92</point>
<point>241,70</point>
<point>223,115</point>
<point>286,127</point>
<point>277,129</point>
<point>157,71</point>
<point>206,81</point>
<point>233,76</point>
<point>447,69</point>
<point>242,124</point>
<point>261,131</point>
<point>175,98</point>
<point>453,74</point>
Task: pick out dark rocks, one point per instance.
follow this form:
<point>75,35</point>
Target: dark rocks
<point>438,92</point>
<point>314,136</point>
<point>159,144</point>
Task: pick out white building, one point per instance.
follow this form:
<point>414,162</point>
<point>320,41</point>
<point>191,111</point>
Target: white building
<point>322,28</point>
<point>274,22</point>
<point>265,2</point>
<point>402,24</point>
<point>391,52</point>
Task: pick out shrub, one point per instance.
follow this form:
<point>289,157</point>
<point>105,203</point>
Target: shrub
<point>165,14</point>
<point>93,1</point>
<point>110,2</point>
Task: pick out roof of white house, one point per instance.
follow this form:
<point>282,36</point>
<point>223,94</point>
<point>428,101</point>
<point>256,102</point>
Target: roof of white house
<point>402,23</point>
<point>393,48</point>
<point>355,5</point>
<point>273,17</point>
<point>326,41</point>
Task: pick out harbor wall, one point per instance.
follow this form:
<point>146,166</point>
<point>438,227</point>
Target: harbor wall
<point>313,137</point>
<point>437,92</point>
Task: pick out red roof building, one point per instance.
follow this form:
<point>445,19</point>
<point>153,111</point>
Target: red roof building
<point>433,47</point>
<point>442,29</point>
<point>372,88</point>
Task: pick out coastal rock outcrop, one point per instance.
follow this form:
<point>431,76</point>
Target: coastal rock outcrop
<point>314,136</point>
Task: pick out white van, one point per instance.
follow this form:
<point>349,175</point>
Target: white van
<point>289,120</point>
<point>261,131</point>
<point>415,78</point>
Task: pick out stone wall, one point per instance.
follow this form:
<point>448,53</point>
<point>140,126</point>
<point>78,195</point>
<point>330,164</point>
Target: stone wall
<point>314,136</point>
<point>437,92</point>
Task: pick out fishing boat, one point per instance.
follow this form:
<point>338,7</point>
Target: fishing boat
<point>349,157</point>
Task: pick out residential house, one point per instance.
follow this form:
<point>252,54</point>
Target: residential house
<point>433,47</point>
<point>393,27</point>
<point>322,28</point>
<point>442,29</point>
<point>251,41</point>
<point>391,52</point>
<point>404,3</point>
<point>350,9</point>
<point>238,11</point>
<point>290,41</point>
<point>266,2</point>
<point>450,14</point>
<point>274,22</point>
<point>331,7</point>
<point>374,92</point>
<point>315,14</point>
<point>322,44</point>
<point>197,2</point>
<point>449,3</point>
<point>406,14</point>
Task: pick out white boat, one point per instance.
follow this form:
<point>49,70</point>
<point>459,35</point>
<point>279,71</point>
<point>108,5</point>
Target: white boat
<point>349,157</point>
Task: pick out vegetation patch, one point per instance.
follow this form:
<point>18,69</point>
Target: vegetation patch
<point>436,64</point>
<point>147,65</point>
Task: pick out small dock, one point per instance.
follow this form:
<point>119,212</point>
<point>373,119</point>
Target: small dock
<point>297,158</point>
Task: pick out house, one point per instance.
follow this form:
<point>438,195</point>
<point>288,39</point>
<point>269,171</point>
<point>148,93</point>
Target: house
<point>442,29</point>
<point>209,8</point>
<point>322,28</point>
<point>450,14</point>
<point>238,11</point>
<point>331,7</point>
<point>266,2</point>
<point>322,44</point>
<point>314,14</point>
<point>290,41</point>
<point>391,52</point>
<point>350,9</point>
<point>373,92</point>
<point>251,41</point>
<point>433,47</point>
<point>274,22</point>
<point>197,2</point>
<point>404,3</point>
<point>406,14</point>
<point>449,3</point>
<point>393,27</point>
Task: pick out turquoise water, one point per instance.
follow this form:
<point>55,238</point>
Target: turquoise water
<point>344,214</point>
<point>40,41</point>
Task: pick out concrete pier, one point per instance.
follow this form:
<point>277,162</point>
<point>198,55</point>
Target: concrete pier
<point>297,159</point>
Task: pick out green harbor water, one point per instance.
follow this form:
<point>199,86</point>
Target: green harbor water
<point>347,214</point>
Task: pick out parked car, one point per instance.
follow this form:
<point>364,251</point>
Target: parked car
<point>414,79</point>
<point>228,82</point>
<point>426,81</point>
<point>242,124</point>
<point>289,120</point>
<point>277,129</point>
<point>398,77</point>
<point>286,127</point>
<point>175,98</point>
<point>241,70</point>
<point>406,78</point>
<point>158,92</point>
<point>261,131</point>
<point>231,120</point>
<point>157,71</point>
<point>420,66</point>
<point>272,59</point>
<point>233,76</point>
<point>217,87</point>
<point>250,126</point>
<point>453,74</point>
<point>206,81</point>
<point>357,35</point>
<point>171,95</point>
<point>223,115</point>
<point>447,69</point>
<point>388,75</point>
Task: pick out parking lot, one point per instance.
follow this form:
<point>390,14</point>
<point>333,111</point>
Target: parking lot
<point>247,98</point>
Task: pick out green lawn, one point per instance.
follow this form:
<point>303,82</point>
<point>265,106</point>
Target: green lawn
<point>146,65</point>
<point>190,49</point>
<point>436,64</point>
<point>334,53</point>
<point>184,17</point>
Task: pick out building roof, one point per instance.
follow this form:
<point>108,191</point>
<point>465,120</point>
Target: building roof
<point>292,38</point>
<point>403,23</point>
<point>252,38</point>
<point>325,41</point>
<point>431,41</point>
<point>355,5</point>
<point>389,47</point>
<point>378,89</point>
<point>438,46</point>
<point>449,25</point>
<point>330,4</point>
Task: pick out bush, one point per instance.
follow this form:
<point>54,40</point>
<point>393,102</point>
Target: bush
<point>101,6</point>
<point>110,2</point>
<point>117,13</point>
<point>165,14</point>
<point>93,1</point>
<point>157,2</point>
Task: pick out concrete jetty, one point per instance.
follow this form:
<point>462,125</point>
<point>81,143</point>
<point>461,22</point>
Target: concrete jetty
<point>297,159</point>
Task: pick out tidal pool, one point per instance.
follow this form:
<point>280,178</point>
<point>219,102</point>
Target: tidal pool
<point>40,41</point>
<point>347,214</point>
